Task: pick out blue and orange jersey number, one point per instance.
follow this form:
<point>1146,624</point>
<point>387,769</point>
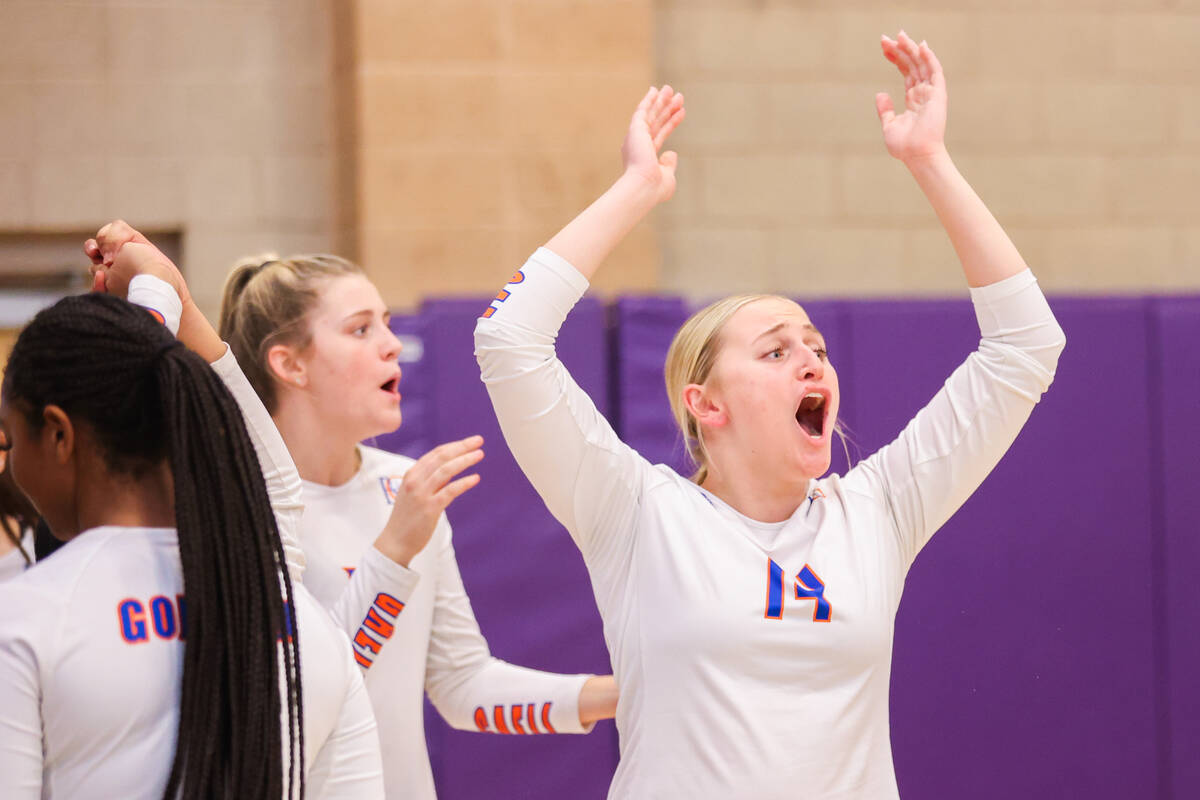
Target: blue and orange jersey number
<point>808,586</point>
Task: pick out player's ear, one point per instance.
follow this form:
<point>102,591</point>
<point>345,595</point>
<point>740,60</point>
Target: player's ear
<point>286,365</point>
<point>704,406</point>
<point>57,434</point>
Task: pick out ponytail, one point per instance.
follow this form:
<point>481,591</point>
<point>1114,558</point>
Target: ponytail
<point>147,398</point>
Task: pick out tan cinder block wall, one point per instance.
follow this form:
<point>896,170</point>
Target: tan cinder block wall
<point>214,119</point>
<point>483,126</point>
<point>1075,120</point>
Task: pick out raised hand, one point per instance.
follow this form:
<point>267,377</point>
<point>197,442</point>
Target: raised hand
<point>119,253</point>
<point>428,487</point>
<point>921,130</point>
<point>659,113</point>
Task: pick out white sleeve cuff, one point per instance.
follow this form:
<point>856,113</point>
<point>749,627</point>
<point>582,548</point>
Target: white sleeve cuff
<point>159,298</point>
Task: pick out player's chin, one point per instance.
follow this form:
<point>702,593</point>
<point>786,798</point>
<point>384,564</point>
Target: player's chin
<point>388,420</point>
<point>815,462</point>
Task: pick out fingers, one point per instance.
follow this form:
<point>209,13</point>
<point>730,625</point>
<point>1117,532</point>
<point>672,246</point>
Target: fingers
<point>671,123</point>
<point>449,469</point>
<point>644,106</point>
<point>432,461</point>
<point>884,108</point>
<point>642,112</point>
<point>669,160</point>
<point>661,100</point>
<point>92,250</point>
<point>453,491</point>
<point>936,76</point>
<point>893,51</point>
<point>111,237</point>
<point>910,49</point>
<point>99,281</point>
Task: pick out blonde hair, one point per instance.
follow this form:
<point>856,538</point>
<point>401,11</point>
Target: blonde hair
<point>266,301</point>
<point>690,359</point>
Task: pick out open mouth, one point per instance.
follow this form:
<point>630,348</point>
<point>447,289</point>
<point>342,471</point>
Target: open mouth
<point>811,415</point>
<point>391,385</point>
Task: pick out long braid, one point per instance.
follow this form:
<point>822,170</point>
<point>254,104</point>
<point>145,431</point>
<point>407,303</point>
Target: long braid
<point>149,399</point>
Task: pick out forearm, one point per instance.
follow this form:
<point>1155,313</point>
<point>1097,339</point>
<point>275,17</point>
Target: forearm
<point>588,239</point>
<point>369,606</point>
<point>598,699</point>
<point>984,249</point>
<point>494,696</point>
<point>198,335</point>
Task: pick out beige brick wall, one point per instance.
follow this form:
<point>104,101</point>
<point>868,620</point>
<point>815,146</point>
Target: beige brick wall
<point>214,119</point>
<point>482,126</point>
<point>439,142</point>
<point>1075,120</point>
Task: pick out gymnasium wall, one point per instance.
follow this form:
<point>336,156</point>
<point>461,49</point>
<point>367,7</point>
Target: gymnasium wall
<point>441,142</point>
<point>214,120</point>
<point>1075,121</point>
<point>1045,645</point>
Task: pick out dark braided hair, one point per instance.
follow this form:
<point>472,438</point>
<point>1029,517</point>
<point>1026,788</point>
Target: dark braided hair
<point>146,398</point>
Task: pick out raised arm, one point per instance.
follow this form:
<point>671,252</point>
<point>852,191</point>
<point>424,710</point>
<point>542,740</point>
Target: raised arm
<point>120,254</point>
<point>648,179</point>
<point>951,445</point>
<point>917,138</point>
<point>588,478</point>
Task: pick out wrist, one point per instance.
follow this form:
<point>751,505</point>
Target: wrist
<point>638,189</point>
<point>929,160</point>
<point>598,699</point>
<point>394,551</point>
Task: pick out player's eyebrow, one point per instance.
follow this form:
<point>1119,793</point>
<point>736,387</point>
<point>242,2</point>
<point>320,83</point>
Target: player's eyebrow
<point>778,326</point>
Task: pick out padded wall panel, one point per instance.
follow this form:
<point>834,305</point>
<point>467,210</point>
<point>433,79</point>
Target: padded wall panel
<point>1177,328</point>
<point>528,587</point>
<point>1024,644</point>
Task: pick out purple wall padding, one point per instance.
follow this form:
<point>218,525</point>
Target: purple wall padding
<point>643,330</point>
<point>1177,327</point>
<point>1023,657</point>
<point>527,583</point>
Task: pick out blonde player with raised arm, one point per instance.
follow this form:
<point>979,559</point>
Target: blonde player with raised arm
<point>749,611</point>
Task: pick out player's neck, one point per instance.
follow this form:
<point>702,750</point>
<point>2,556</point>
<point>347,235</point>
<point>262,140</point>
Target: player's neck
<point>765,498</point>
<point>324,453</point>
<point>143,502</point>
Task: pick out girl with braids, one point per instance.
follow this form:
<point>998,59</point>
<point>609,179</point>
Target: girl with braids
<point>749,610</point>
<point>158,654</point>
<point>312,334</point>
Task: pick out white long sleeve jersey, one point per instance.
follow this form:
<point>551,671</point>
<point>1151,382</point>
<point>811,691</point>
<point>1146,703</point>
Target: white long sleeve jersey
<point>413,630</point>
<point>753,658</point>
<point>91,654</point>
